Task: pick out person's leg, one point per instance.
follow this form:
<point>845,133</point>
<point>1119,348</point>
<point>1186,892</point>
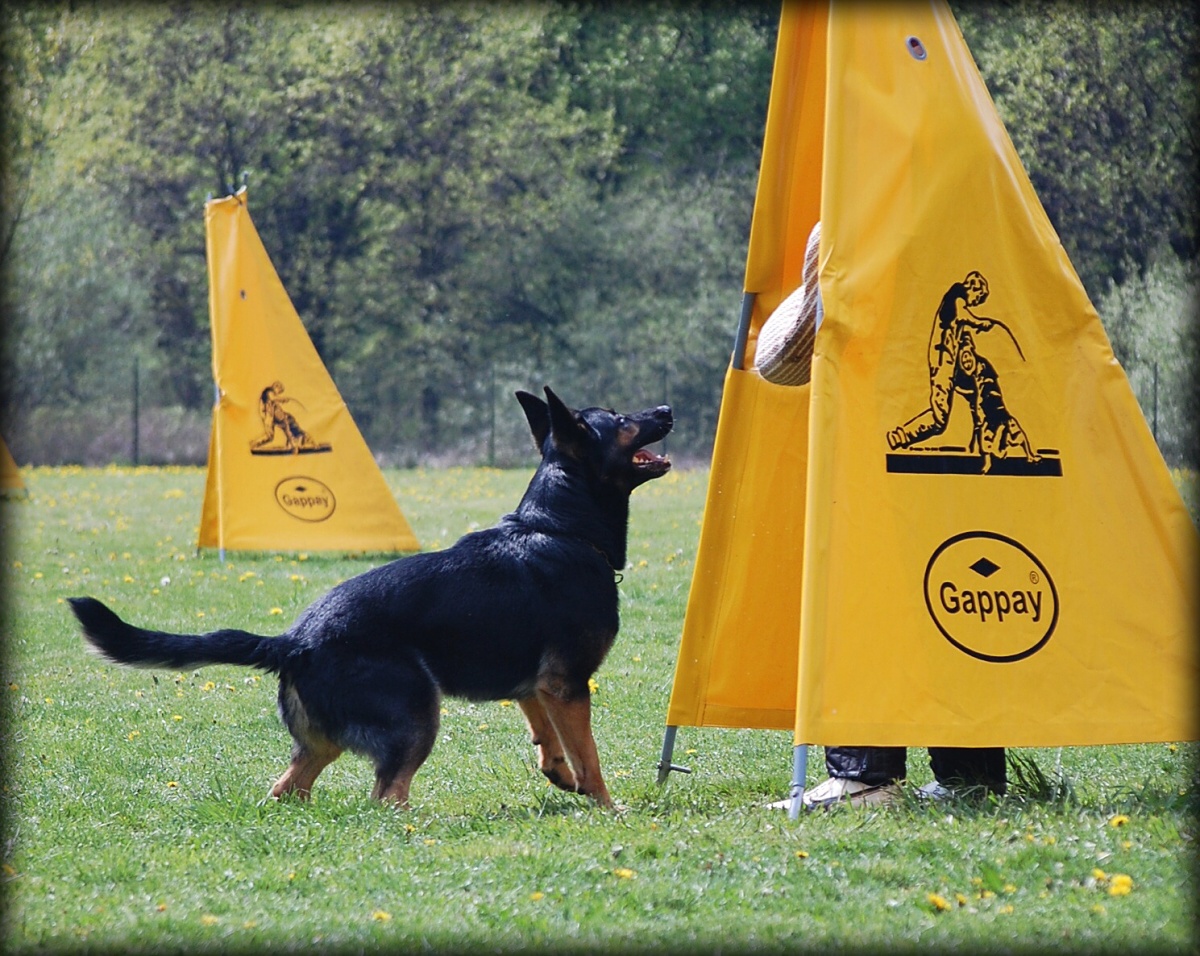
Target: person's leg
<point>965,767</point>
<point>860,776</point>
<point>872,765</point>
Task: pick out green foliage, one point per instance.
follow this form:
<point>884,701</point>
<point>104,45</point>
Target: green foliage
<point>1151,321</point>
<point>463,199</point>
<point>1101,103</point>
<point>132,816</point>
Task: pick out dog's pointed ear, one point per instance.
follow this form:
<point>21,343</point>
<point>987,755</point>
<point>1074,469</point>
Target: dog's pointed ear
<point>567,427</point>
<point>538,415</point>
<point>564,423</point>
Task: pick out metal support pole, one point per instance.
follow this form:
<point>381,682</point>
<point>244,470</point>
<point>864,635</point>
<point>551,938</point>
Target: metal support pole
<point>799,777</point>
<point>136,410</point>
<point>743,331</point>
<point>492,413</point>
<point>213,464</point>
<point>1155,428</point>
<point>664,763</point>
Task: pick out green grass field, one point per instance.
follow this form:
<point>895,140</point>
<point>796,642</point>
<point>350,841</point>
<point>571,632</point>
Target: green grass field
<point>134,818</point>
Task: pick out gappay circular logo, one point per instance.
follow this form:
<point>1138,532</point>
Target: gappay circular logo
<point>305,498</point>
<point>990,596</point>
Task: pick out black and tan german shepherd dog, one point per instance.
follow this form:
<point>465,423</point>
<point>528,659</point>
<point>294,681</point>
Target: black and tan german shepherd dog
<point>526,610</point>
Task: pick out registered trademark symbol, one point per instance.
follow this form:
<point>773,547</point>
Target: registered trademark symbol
<point>1033,577</point>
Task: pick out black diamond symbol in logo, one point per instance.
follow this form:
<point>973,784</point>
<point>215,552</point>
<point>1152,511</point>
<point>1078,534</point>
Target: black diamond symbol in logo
<point>985,568</point>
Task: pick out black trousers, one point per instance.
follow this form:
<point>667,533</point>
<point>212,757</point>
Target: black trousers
<point>952,766</point>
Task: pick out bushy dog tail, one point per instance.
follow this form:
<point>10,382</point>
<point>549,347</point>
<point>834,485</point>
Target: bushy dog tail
<point>123,643</point>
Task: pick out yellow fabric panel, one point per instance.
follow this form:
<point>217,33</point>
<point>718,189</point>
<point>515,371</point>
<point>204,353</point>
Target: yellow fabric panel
<point>738,654</point>
<point>787,203</point>
<point>288,468</point>
<point>912,552</point>
<point>10,474</point>
<point>739,650</point>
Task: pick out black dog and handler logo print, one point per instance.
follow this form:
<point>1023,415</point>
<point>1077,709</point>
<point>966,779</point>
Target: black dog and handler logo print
<point>282,434</point>
<point>961,368</point>
<point>988,594</point>
<point>301,496</point>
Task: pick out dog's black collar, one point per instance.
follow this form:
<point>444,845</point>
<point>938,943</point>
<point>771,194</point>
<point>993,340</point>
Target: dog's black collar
<point>618,577</point>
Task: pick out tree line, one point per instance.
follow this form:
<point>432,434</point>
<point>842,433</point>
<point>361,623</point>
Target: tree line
<point>464,199</point>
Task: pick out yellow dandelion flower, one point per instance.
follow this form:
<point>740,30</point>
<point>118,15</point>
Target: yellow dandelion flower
<point>209,685</point>
<point>937,902</point>
<point>1119,820</point>
<point>960,899</point>
<point>538,895</point>
<point>1126,844</point>
<point>380,916</point>
<point>176,717</point>
<point>1172,748</point>
<point>623,873</point>
<point>1008,908</point>
<point>1009,888</point>
<point>209,920</point>
<point>276,610</point>
<point>801,854</point>
<point>171,784</point>
<point>409,828</point>
<point>161,907</point>
<point>132,734</point>
<point>1122,885</point>
<point>430,841</point>
<point>506,703</point>
<point>1099,875</point>
<point>592,685</point>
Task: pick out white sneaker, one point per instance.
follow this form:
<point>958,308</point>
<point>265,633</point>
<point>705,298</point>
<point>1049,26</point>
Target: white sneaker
<point>854,792</point>
<point>935,791</point>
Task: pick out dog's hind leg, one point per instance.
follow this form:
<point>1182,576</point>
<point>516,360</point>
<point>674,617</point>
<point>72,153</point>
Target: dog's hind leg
<point>396,716</point>
<point>398,763</point>
<point>309,758</point>
<point>312,751</point>
<point>571,715</point>
<point>551,760</point>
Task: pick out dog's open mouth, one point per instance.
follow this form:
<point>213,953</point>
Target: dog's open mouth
<point>645,460</point>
